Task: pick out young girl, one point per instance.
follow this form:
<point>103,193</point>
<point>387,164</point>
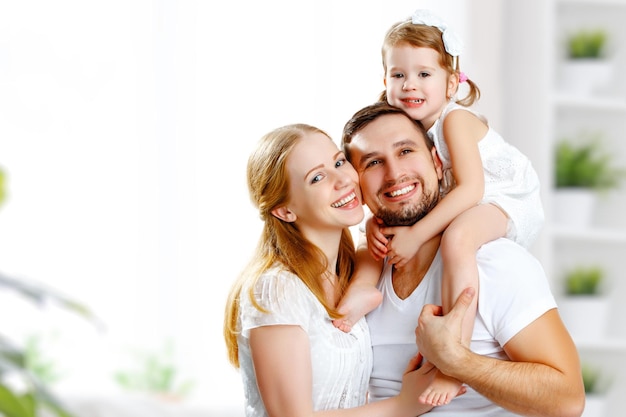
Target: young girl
<point>277,327</point>
<point>491,189</point>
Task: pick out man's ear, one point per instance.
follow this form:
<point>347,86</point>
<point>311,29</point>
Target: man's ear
<point>437,163</point>
<point>284,214</point>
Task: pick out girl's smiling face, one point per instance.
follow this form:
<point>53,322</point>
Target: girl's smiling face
<point>416,82</point>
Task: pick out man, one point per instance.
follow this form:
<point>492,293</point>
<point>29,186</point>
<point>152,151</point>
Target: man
<point>522,359</point>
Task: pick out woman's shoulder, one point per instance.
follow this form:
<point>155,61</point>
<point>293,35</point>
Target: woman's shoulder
<point>278,286</point>
<point>277,279</point>
<point>282,297</point>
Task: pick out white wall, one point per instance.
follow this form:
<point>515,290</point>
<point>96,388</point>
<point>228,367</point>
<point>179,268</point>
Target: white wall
<point>125,127</point>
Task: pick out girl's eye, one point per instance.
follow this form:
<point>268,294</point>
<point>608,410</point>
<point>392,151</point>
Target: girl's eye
<point>397,75</point>
<point>424,74</point>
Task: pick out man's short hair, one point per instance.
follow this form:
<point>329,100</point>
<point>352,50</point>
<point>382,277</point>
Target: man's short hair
<point>367,115</point>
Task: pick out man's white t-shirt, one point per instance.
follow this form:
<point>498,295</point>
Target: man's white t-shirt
<point>513,292</point>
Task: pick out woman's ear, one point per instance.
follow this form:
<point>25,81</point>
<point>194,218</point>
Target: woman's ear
<point>284,214</point>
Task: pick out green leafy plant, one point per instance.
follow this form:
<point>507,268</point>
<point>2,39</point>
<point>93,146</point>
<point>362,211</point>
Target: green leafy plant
<point>22,393</point>
<point>586,43</point>
<point>585,165</point>
<point>38,361</point>
<point>584,280</point>
<point>594,379</point>
<point>155,373</point>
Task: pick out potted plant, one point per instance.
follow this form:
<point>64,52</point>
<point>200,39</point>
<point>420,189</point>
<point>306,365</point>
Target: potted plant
<point>23,393</point>
<point>155,373</point>
<point>584,293</point>
<point>582,169</point>
<point>585,69</point>
<point>596,388</point>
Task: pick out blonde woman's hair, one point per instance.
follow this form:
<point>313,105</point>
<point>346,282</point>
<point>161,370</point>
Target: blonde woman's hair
<point>424,36</point>
<point>281,242</point>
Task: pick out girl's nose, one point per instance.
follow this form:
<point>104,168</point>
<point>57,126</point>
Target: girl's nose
<point>408,84</point>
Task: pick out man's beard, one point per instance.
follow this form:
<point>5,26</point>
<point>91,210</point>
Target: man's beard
<point>408,215</point>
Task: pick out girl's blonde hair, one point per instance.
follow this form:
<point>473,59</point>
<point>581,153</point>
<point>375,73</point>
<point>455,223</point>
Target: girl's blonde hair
<point>281,242</point>
<point>424,36</point>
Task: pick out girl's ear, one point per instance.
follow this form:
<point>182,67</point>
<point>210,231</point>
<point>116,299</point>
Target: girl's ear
<point>453,85</point>
<point>284,214</point>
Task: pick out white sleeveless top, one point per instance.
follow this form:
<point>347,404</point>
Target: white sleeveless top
<point>511,182</point>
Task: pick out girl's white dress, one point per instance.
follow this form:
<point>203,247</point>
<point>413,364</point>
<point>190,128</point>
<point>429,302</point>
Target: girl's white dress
<point>341,362</point>
<point>511,182</point>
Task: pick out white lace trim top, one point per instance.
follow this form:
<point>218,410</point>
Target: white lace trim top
<point>511,182</point>
<point>341,362</point>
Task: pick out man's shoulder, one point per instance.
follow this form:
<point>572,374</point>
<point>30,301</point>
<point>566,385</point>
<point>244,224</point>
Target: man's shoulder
<point>506,254</point>
<point>505,246</point>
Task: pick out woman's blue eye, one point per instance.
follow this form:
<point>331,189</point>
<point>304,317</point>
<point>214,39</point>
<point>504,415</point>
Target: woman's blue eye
<point>340,162</point>
<point>317,178</point>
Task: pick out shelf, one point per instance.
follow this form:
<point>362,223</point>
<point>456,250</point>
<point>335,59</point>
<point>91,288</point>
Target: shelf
<point>574,102</point>
<point>593,2</point>
<point>591,235</point>
<point>609,346</point>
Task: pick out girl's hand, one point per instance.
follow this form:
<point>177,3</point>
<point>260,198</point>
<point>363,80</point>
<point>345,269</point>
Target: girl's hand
<point>404,245</point>
<point>376,241</point>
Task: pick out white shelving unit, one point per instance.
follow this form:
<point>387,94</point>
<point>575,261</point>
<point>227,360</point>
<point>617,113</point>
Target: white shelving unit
<point>605,242</point>
<point>537,114</point>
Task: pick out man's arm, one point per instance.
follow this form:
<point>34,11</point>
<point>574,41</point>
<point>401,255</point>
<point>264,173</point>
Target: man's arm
<point>543,377</point>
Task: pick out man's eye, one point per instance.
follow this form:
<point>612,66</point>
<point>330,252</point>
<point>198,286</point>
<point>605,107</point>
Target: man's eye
<point>372,163</point>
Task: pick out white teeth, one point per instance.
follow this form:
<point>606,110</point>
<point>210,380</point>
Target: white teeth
<point>419,100</point>
<point>344,201</point>
<point>402,191</point>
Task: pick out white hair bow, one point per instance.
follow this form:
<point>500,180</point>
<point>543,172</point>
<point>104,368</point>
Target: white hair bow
<point>451,41</point>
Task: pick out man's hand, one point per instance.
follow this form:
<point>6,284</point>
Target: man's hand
<point>438,337</point>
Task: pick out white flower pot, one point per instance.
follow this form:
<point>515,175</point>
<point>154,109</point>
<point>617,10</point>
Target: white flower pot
<point>585,316</point>
<point>586,76</point>
<point>595,405</point>
<point>574,207</point>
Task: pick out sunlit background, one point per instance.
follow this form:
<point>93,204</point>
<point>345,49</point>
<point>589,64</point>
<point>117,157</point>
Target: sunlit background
<point>125,127</point>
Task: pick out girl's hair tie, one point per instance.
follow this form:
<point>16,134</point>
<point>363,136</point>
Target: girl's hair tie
<point>462,77</point>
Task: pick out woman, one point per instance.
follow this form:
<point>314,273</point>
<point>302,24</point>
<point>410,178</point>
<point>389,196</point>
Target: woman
<point>278,324</point>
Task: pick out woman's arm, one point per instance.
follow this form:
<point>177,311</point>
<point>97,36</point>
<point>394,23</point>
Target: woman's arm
<point>282,363</point>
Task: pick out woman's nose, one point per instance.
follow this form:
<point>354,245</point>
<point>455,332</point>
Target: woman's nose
<point>344,179</point>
